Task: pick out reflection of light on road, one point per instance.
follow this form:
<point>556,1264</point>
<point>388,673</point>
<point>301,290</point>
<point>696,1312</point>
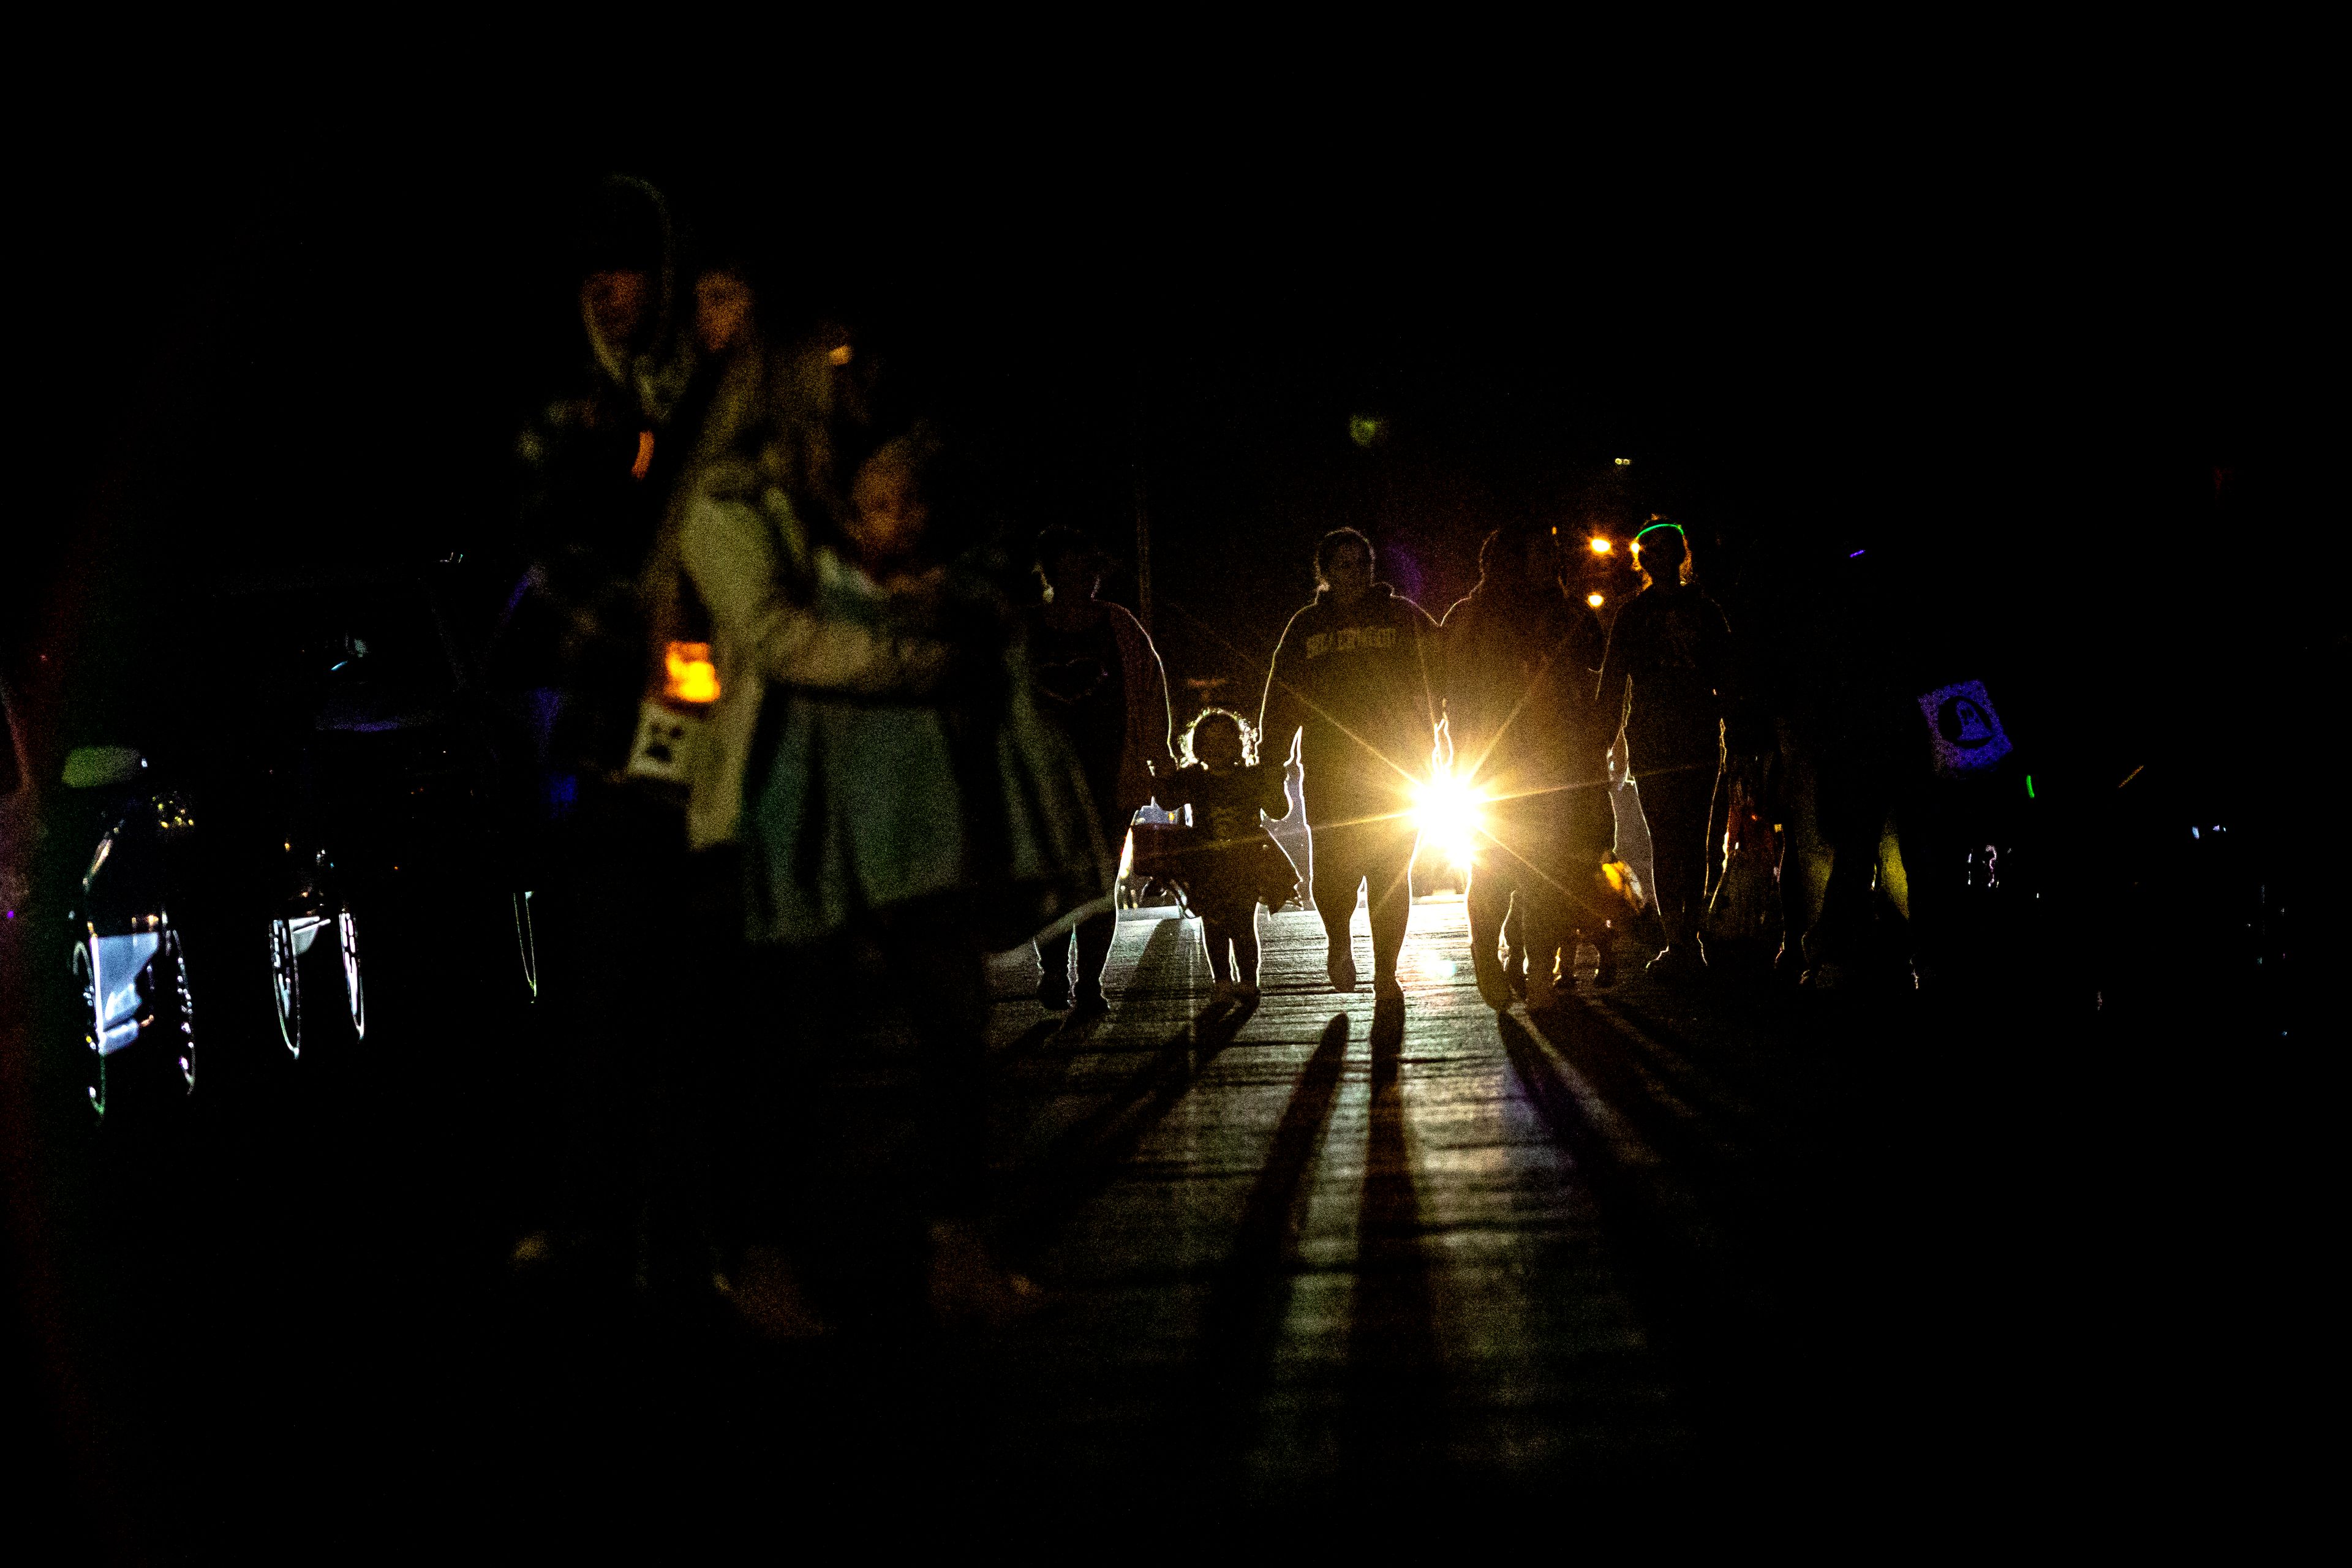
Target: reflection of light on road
<point>1447,811</point>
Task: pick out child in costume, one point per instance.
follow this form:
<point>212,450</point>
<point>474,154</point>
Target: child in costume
<point>1235,864</point>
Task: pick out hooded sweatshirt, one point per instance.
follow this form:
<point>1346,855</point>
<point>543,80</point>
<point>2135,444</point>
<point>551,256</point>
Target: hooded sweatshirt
<point>1362,685</point>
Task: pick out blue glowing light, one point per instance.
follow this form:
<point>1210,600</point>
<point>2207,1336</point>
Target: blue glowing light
<point>2194,834</point>
<point>1850,557</point>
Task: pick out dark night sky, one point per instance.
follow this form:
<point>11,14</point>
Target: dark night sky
<point>2023,392</point>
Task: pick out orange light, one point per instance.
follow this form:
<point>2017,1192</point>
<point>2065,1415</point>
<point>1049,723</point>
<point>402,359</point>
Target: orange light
<point>1596,600</point>
<point>690,677</point>
<point>643,465</point>
<point>839,356</point>
<point>1602,546</point>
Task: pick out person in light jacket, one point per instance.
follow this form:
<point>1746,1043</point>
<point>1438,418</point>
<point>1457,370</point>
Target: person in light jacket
<point>899,807</point>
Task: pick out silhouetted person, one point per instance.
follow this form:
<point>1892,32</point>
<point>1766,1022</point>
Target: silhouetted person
<point>673,367</point>
<point>1666,672</point>
<point>1099,679</point>
<point>1238,865</point>
<point>1527,740</point>
<point>1855,665</point>
<point>1356,677</point>
<point>571,660</point>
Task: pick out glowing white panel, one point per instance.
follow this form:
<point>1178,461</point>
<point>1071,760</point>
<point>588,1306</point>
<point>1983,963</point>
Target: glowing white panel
<point>116,964</point>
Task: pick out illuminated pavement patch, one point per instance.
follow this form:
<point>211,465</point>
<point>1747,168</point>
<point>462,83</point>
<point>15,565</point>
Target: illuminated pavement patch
<point>1310,1257</point>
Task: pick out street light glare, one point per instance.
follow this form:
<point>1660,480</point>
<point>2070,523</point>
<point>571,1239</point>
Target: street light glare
<point>1602,546</point>
<point>1595,600</point>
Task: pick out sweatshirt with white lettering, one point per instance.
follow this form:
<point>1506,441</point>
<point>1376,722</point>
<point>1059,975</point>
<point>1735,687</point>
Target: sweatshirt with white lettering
<point>1362,686</point>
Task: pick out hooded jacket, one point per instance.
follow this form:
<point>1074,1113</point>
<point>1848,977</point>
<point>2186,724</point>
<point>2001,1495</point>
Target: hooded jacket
<point>1364,686</point>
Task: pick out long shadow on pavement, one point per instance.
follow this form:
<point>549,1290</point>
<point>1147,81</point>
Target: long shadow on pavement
<point>1085,1157</point>
<point>1650,1221</point>
<point>1392,1431</point>
<point>1226,1375</point>
<point>1768,1261</point>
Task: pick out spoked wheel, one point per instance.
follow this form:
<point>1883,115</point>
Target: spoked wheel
<point>93,1025</point>
<point>354,991</point>
<point>295,943</point>
<point>285,981</point>
<point>185,1038</point>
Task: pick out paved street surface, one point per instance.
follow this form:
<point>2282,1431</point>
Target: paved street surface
<point>1307,1246</point>
<point>1691,1251</point>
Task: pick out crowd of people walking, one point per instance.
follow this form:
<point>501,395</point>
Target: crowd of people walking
<point>787,726</point>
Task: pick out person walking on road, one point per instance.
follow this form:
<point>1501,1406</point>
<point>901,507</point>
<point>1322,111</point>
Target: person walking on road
<point>902,810</point>
<point>1357,684</point>
<point>1100,683</point>
<point>1663,690</point>
<point>1519,712</point>
<point>1240,866</point>
<point>566,658</point>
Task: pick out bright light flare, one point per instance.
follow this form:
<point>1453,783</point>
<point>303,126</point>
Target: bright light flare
<point>689,674</point>
<point>1602,546</point>
<point>1449,813</point>
<point>1596,600</point>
